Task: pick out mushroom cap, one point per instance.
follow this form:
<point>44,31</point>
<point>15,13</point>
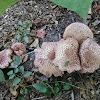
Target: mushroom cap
<point>78,31</point>
<point>47,68</point>
<point>67,50</point>
<point>43,60</point>
<point>46,50</point>
<point>19,49</point>
<point>5,58</point>
<point>89,56</point>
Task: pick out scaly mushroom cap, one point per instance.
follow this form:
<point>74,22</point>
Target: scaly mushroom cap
<point>47,68</point>
<point>43,59</point>
<point>90,56</point>
<point>67,50</point>
<point>46,50</point>
<point>78,31</point>
<point>5,58</point>
<point>19,49</point>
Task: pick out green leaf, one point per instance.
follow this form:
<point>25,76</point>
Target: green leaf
<point>21,69</point>
<point>20,98</point>
<point>4,4</point>
<point>56,89</point>
<point>67,86</point>
<point>20,23</point>
<point>10,72</point>
<point>41,87</point>
<point>17,61</point>
<point>48,92</point>
<point>67,63</point>
<point>28,29</point>
<point>25,38</point>
<point>18,36</point>
<point>2,78</point>
<point>27,73</point>
<point>56,83</point>
<point>24,91</point>
<point>16,70</point>
<point>11,76</point>
<point>79,6</point>
<point>14,65</point>
<point>16,81</point>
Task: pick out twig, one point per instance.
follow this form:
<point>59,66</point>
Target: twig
<point>27,54</point>
<point>39,98</point>
<point>72,95</point>
<point>4,94</point>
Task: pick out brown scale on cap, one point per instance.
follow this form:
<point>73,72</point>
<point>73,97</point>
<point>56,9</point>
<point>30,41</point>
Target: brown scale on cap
<point>5,58</point>
<point>19,49</point>
<point>67,50</point>
<point>78,31</point>
<point>90,56</point>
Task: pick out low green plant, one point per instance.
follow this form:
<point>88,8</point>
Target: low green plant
<point>18,72</point>
<point>54,88</point>
<point>24,30</point>
<point>67,63</point>
<point>2,77</point>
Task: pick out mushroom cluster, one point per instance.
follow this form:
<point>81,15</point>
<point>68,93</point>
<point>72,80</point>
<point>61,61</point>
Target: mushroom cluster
<point>76,47</point>
<point>6,55</point>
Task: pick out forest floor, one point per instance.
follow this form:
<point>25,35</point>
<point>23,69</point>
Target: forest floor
<point>44,14</point>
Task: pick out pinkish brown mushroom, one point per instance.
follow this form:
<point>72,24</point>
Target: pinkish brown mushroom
<point>47,68</point>
<point>47,50</point>
<point>78,31</point>
<point>67,51</point>
<point>19,49</point>
<point>43,59</point>
<point>5,58</point>
<point>90,56</point>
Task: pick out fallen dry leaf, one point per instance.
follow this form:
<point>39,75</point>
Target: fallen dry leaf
<point>98,9</point>
<point>41,33</point>
<point>35,43</point>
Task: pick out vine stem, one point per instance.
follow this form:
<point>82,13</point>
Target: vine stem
<point>27,54</point>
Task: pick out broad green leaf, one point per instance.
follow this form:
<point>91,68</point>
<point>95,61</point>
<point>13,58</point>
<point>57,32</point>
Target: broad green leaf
<point>14,65</point>
<point>25,38</point>
<point>10,72</point>
<point>16,70</point>
<point>4,4</point>
<point>11,76</point>
<point>2,78</point>
<point>79,6</point>
<point>17,61</point>
<point>21,69</point>
<point>41,87</point>
<point>67,86</point>
<point>27,73</point>
<point>67,63</point>
<point>16,81</point>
